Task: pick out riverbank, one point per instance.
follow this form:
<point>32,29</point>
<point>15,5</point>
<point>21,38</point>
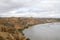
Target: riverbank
<point>11,28</point>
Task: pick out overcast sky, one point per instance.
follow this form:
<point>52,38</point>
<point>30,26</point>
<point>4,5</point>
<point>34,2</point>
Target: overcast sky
<point>30,8</point>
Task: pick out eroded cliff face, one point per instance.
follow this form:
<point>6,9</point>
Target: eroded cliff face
<point>11,28</point>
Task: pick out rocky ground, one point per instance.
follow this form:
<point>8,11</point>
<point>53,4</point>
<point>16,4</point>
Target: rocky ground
<point>11,28</point>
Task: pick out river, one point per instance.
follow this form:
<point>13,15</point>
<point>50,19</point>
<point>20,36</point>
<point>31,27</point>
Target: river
<point>47,31</point>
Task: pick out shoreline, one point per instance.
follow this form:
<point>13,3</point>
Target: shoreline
<point>21,23</point>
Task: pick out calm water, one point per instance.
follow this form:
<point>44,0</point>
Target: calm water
<point>48,31</point>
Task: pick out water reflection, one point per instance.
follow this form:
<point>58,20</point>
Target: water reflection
<point>48,31</point>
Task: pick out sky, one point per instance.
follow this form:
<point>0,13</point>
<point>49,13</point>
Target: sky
<point>30,8</point>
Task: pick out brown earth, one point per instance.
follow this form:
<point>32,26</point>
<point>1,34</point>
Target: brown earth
<point>11,28</point>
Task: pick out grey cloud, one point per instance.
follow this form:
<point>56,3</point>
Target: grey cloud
<point>33,7</point>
